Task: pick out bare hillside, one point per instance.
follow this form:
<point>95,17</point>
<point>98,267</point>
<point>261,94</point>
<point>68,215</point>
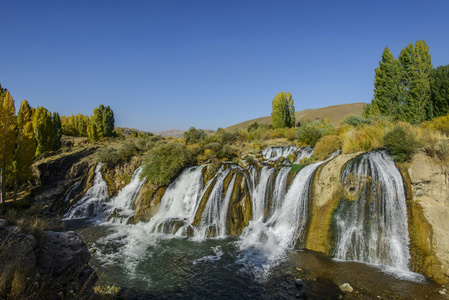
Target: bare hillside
<point>336,114</point>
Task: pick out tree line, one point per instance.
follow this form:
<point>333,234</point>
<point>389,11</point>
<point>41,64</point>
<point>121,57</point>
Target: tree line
<point>95,127</point>
<point>34,131</point>
<point>408,88</point>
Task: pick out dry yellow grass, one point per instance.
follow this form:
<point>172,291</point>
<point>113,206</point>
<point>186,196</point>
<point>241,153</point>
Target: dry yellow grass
<point>336,114</point>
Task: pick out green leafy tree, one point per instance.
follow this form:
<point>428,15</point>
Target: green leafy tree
<point>283,113</point>
<point>108,121</point>
<point>165,161</point>
<point>8,134</point>
<point>194,136</point>
<point>439,92</point>
<point>25,146</point>
<point>386,85</point>
<point>43,130</point>
<point>57,131</point>
<point>415,83</point>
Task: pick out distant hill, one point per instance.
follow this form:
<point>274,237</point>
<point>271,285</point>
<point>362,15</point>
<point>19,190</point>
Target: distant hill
<point>336,114</point>
<point>165,133</point>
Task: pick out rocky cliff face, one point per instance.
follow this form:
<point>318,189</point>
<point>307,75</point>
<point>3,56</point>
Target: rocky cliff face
<point>429,189</point>
<point>54,265</point>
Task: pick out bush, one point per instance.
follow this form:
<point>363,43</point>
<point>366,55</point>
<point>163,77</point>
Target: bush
<point>310,133</point>
<point>401,143</point>
<point>441,124</point>
<point>326,146</point>
<point>363,138</point>
<point>355,121</point>
<point>194,136</point>
<point>165,161</point>
<point>219,151</point>
<point>108,156</point>
<point>127,150</point>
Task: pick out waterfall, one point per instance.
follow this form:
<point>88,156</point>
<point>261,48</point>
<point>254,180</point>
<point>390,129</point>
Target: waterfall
<point>213,219</point>
<point>274,153</point>
<point>304,152</point>
<point>370,225</point>
<point>93,203</point>
<point>122,206</point>
<point>286,226</point>
<point>179,203</point>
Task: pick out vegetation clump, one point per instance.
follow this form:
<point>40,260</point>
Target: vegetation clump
<point>311,132</point>
<point>165,161</point>
<point>400,143</point>
<point>326,146</point>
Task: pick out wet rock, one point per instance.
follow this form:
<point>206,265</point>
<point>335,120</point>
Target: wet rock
<point>3,223</point>
<point>57,261</point>
<point>346,288</point>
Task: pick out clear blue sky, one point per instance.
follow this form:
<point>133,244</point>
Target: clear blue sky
<point>208,64</point>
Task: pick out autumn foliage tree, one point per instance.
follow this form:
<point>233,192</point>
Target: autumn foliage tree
<point>25,145</point>
<point>8,132</point>
<point>283,114</point>
<point>43,130</point>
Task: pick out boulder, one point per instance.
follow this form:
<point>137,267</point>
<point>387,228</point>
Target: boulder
<point>51,265</point>
<point>346,288</point>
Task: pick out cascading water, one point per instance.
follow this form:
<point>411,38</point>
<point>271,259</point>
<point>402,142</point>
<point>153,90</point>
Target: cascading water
<point>213,219</point>
<point>274,153</point>
<point>179,203</point>
<point>121,206</point>
<point>186,248</point>
<point>93,203</point>
<point>371,224</point>
<point>305,152</point>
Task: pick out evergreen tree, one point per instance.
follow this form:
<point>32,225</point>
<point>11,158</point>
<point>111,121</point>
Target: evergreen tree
<point>386,85</point>
<point>439,92</point>
<point>108,122</point>
<point>57,131</point>
<point>43,130</point>
<point>25,146</point>
<point>8,133</point>
<point>415,83</point>
<point>283,113</point>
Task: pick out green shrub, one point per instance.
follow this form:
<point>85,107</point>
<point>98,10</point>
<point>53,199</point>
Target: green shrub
<point>220,151</point>
<point>250,160</point>
<point>108,156</point>
<point>310,133</point>
<point>127,150</point>
<point>326,146</point>
<point>194,136</point>
<point>355,121</point>
<point>401,143</point>
<point>165,161</point>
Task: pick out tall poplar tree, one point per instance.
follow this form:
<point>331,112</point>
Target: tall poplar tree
<point>415,83</point>
<point>8,132</point>
<point>43,130</point>
<point>57,131</point>
<point>283,113</point>
<point>108,121</point>
<point>439,92</point>
<point>92,130</point>
<point>25,145</point>
<point>98,121</point>
<point>386,85</point>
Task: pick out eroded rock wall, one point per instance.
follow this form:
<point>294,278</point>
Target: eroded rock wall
<point>429,185</point>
